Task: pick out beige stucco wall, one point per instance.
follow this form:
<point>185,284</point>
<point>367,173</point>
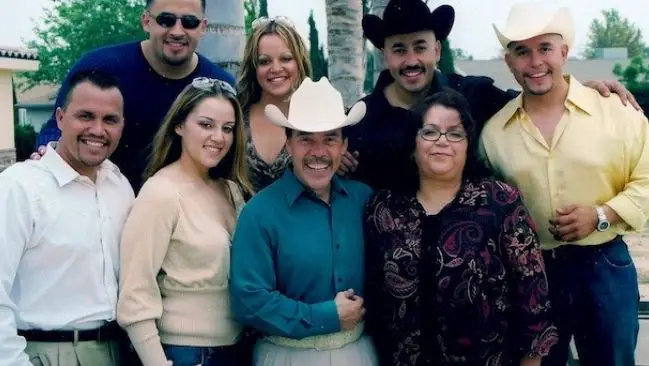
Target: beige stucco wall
<point>7,155</point>
<point>8,66</point>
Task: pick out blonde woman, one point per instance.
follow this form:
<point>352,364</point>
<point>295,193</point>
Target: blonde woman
<point>275,62</point>
<point>175,249</point>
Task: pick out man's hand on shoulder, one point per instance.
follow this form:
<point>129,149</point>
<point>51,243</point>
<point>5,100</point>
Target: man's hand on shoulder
<point>36,155</point>
<point>348,163</point>
<point>605,88</point>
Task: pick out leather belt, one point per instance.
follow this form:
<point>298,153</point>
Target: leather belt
<point>109,332</point>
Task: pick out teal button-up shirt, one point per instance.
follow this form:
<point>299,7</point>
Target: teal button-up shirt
<point>291,254</point>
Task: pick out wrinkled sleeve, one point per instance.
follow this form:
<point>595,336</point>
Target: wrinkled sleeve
<point>632,203</point>
<point>16,226</point>
<point>256,301</point>
<point>532,321</point>
<point>145,240</point>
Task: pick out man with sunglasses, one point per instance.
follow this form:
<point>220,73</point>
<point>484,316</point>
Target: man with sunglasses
<point>152,73</point>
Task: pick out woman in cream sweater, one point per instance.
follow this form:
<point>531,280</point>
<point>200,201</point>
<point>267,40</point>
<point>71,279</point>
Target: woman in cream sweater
<point>175,249</point>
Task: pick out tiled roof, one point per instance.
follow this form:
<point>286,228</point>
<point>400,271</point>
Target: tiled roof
<point>20,53</point>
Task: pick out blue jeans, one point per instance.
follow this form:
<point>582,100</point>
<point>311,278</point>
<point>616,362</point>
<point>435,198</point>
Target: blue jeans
<point>205,356</point>
<point>595,298</point>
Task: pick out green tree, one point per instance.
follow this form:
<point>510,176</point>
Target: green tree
<point>635,76</point>
<point>368,83</point>
<point>446,64</point>
<point>254,9</point>
<point>250,10</point>
<point>316,51</point>
<point>263,8</point>
<point>71,28</point>
<point>614,31</point>
<point>24,135</point>
<point>460,54</point>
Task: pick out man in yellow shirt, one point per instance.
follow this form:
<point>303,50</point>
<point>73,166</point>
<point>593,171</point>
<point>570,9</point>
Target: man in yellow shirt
<point>581,162</point>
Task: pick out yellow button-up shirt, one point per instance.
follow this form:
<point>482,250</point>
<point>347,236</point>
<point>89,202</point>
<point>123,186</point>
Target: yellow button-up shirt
<point>599,154</point>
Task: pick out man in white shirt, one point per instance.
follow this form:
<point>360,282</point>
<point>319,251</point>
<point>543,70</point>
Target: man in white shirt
<point>61,219</point>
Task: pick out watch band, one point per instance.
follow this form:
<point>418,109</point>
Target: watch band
<point>601,215</point>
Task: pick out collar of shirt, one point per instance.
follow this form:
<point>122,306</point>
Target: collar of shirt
<point>64,173</point>
<point>294,188</point>
<point>579,98</point>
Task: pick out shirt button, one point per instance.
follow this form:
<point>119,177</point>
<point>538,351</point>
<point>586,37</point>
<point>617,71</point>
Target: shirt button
<point>340,279</point>
<point>337,246</point>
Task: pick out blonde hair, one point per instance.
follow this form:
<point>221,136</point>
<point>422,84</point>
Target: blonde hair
<point>249,88</point>
<point>167,144</point>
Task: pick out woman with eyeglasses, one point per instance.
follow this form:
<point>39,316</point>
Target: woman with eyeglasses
<point>454,271</point>
<point>275,62</point>
<point>175,251</point>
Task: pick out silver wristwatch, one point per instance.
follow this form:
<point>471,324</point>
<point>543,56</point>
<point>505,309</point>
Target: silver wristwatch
<point>602,220</point>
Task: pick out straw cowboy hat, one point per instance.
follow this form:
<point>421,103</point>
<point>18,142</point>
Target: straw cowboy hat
<point>316,107</point>
<point>530,19</point>
<point>408,16</point>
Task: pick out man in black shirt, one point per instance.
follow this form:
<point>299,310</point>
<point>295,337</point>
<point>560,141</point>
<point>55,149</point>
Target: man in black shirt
<point>409,36</point>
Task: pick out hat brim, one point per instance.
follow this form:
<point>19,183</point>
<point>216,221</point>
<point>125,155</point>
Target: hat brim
<point>560,23</point>
<point>440,21</point>
<point>275,115</point>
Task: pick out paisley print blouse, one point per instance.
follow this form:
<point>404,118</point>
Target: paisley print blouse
<point>464,287</point>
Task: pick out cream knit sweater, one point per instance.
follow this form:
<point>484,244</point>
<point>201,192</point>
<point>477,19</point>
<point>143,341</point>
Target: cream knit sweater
<point>175,264</point>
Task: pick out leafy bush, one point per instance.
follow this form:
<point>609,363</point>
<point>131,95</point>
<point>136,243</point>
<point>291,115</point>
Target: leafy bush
<point>24,139</point>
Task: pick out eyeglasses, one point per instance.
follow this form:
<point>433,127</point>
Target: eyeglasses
<point>168,20</point>
<point>216,85</point>
<point>263,21</point>
<point>433,134</point>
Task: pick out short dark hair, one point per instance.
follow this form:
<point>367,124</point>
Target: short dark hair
<point>99,78</point>
<point>475,168</point>
<point>150,2</point>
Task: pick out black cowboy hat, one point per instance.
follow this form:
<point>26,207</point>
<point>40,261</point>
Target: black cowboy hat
<point>408,16</point>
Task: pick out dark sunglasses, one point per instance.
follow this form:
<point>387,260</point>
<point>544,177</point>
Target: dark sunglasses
<point>168,20</point>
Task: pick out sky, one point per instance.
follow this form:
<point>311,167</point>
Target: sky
<point>472,32</point>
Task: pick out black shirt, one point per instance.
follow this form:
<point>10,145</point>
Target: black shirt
<point>382,137</point>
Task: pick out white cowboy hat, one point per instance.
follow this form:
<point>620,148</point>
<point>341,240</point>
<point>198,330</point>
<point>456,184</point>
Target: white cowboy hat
<point>530,19</point>
<point>316,107</point>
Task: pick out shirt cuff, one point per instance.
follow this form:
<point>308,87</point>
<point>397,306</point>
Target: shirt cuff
<point>628,211</point>
<point>325,317</point>
<point>146,341</point>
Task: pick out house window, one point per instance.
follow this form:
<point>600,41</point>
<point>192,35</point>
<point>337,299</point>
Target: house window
<point>22,116</point>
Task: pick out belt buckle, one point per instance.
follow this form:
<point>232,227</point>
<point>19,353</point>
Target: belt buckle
<point>75,337</point>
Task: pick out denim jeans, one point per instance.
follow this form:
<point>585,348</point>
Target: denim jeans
<point>595,298</point>
<point>205,356</point>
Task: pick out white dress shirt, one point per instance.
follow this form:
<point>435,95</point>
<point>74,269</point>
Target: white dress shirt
<point>59,245</point>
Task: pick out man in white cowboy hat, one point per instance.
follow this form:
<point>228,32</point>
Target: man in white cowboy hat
<point>409,37</point>
<point>297,266</point>
<point>581,162</point>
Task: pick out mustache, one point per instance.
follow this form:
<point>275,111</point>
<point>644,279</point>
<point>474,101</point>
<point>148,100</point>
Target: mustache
<point>417,68</point>
<point>180,39</point>
<point>317,160</point>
